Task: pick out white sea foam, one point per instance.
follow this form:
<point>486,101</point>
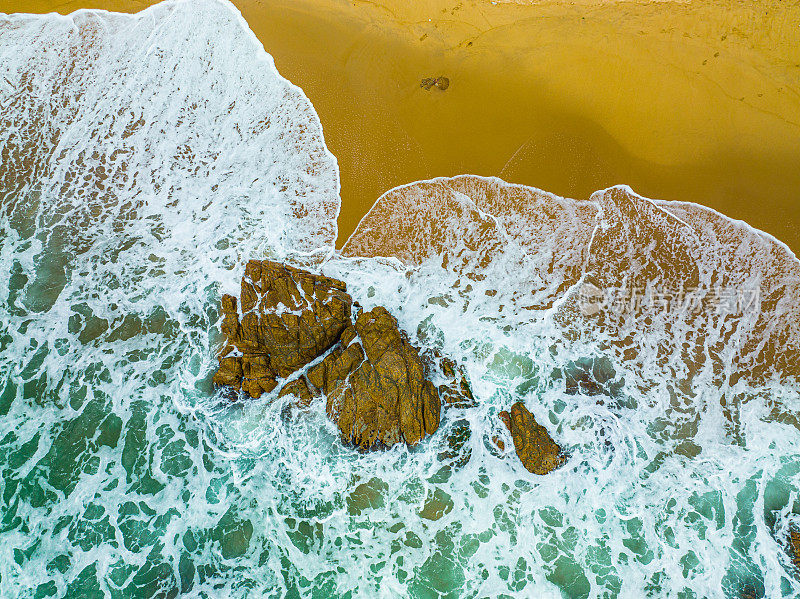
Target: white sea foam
<point>145,158</point>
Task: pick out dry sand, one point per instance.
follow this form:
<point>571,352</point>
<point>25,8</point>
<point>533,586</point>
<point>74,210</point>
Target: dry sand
<point>695,100</point>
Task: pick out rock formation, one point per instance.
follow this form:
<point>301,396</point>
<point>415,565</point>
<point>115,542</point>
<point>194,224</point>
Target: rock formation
<point>375,381</point>
<point>534,446</point>
<point>301,331</point>
<point>288,318</point>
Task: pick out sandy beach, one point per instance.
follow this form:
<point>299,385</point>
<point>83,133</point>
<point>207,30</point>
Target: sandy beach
<point>693,101</point>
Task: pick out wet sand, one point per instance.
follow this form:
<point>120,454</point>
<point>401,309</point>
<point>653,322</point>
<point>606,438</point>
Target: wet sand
<point>694,101</point>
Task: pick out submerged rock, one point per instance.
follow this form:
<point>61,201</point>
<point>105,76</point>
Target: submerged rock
<point>591,376</point>
<point>376,383</point>
<point>533,444</point>
<point>456,392</point>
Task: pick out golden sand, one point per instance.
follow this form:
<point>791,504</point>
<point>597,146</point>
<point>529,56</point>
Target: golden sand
<point>695,100</point>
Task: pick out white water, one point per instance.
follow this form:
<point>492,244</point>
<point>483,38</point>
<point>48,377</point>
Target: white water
<point>145,158</point>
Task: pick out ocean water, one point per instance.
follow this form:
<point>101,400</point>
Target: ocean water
<point>145,158</point>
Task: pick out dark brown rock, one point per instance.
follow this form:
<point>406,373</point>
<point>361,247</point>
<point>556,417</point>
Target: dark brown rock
<point>534,446</point>
<point>440,82</point>
<point>427,83</point>
<point>289,318</point>
<point>377,389</point>
<point>375,381</point>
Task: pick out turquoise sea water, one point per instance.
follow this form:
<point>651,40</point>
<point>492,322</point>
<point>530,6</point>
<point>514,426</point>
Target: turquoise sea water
<point>144,159</point>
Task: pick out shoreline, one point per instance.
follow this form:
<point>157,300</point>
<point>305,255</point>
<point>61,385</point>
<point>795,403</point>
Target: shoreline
<point>693,102</point>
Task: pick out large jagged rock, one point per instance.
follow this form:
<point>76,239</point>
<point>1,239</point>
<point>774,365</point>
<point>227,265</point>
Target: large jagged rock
<point>289,317</point>
<point>534,446</point>
<point>376,385</point>
<point>375,381</point>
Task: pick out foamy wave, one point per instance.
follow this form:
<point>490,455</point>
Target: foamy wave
<point>143,160</point>
<point>179,103</point>
<point>715,291</point>
<point>681,417</point>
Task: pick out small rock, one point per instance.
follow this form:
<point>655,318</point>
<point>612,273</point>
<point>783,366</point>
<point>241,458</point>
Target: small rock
<point>440,82</point>
<point>427,83</point>
<point>534,446</point>
<point>498,442</point>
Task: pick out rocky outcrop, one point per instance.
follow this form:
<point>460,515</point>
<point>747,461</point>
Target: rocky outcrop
<point>376,385</point>
<point>375,381</point>
<point>288,318</point>
<point>534,446</point>
<point>304,332</point>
